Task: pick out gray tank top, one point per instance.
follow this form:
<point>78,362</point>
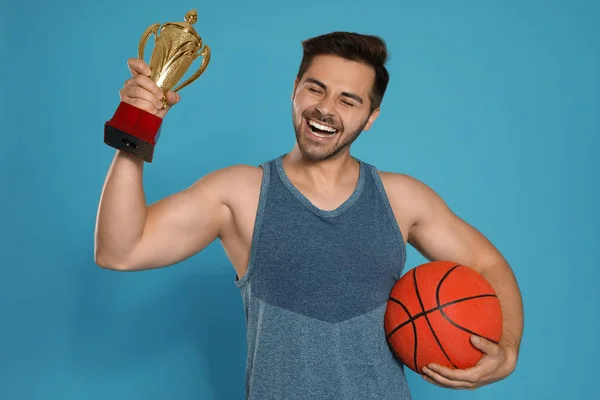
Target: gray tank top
<point>315,294</point>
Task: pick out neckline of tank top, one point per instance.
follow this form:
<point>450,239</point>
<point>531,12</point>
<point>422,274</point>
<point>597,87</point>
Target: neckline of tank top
<point>349,202</point>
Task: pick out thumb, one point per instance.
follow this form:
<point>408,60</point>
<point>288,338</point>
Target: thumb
<point>172,98</point>
<point>488,347</point>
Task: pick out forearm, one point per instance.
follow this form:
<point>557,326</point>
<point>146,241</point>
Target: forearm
<point>121,212</point>
<point>504,283</point>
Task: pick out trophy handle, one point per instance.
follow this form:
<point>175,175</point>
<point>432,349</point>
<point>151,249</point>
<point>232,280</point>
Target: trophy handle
<point>152,29</point>
<point>206,53</point>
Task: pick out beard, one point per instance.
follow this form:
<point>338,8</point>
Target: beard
<point>315,152</point>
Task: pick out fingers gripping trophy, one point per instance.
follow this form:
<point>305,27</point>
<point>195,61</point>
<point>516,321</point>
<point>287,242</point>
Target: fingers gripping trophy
<point>146,97</point>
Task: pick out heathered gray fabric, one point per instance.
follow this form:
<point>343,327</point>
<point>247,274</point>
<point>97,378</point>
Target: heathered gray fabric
<point>315,294</point>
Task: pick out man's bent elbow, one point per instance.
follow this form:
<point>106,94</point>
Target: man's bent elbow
<point>106,262</point>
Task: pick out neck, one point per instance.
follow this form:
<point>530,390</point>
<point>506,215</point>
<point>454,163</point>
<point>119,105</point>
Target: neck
<point>327,173</point>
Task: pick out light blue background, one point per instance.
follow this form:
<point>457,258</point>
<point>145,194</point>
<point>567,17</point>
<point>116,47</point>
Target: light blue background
<point>493,104</point>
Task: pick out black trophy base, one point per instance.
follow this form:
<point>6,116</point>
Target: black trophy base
<point>128,143</point>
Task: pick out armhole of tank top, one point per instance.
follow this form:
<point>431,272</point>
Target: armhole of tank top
<point>390,212</point>
<point>257,224</point>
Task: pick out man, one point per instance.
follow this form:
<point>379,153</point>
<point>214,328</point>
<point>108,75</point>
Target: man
<point>317,237</point>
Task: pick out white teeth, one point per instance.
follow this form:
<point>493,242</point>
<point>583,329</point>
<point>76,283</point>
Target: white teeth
<point>321,135</point>
<point>321,127</point>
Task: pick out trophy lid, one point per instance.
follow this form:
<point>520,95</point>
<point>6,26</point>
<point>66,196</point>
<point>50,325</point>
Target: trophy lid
<point>190,19</point>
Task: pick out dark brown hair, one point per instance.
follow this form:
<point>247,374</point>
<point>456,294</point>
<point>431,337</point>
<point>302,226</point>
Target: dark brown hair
<point>368,49</point>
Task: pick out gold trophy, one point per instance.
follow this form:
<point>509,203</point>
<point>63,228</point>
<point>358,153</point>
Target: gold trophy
<point>134,130</point>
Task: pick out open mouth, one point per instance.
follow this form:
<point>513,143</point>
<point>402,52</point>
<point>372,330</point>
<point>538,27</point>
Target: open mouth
<point>320,130</point>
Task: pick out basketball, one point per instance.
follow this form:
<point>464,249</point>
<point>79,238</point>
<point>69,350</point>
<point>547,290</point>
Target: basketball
<point>434,309</point>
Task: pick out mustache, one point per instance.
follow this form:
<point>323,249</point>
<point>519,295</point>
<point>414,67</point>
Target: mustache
<point>316,115</point>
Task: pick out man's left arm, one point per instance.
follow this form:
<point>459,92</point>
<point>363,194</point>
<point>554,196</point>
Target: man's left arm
<point>439,234</point>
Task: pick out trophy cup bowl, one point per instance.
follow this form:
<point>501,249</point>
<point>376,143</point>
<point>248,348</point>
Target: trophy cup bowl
<point>177,45</point>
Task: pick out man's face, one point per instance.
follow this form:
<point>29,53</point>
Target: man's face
<point>331,106</point>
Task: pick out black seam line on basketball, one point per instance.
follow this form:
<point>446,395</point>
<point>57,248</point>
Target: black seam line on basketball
<point>437,300</point>
<point>427,319</point>
<point>421,314</point>
<point>411,320</point>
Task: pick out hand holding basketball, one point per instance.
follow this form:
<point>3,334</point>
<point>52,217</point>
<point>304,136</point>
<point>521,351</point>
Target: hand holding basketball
<point>497,363</point>
<point>444,321</point>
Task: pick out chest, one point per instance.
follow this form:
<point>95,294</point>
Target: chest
<point>329,268</point>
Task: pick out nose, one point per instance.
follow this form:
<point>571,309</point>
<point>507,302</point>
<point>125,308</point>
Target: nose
<point>325,106</point>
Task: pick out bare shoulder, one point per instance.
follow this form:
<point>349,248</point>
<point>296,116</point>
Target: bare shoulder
<point>235,172</point>
<point>237,175</point>
<point>243,182</point>
<point>399,184</point>
<point>229,183</point>
<point>410,196</point>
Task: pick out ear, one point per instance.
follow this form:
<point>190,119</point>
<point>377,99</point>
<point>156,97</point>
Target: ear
<point>371,119</point>
<point>294,89</point>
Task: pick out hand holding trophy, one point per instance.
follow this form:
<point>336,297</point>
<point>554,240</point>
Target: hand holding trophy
<point>145,98</point>
<point>142,92</point>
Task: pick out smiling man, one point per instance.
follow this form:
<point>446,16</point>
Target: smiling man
<point>316,236</point>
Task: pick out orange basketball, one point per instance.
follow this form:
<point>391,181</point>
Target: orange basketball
<point>434,309</point>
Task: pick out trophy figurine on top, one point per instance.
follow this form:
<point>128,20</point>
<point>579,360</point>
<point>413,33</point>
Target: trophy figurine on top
<point>136,131</point>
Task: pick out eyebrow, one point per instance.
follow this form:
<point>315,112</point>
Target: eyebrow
<point>324,87</point>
